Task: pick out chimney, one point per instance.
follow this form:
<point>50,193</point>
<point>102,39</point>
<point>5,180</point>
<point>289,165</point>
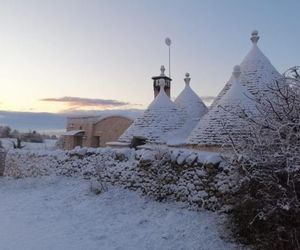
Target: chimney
<point>156,79</point>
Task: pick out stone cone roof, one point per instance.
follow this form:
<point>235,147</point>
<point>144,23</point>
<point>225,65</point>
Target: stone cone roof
<point>225,117</point>
<point>257,71</point>
<point>158,122</point>
<point>256,75</point>
<point>190,102</point>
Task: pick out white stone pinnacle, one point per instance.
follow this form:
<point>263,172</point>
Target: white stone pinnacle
<point>254,37</point>
<point>187,79</point>
<point>162,70</point>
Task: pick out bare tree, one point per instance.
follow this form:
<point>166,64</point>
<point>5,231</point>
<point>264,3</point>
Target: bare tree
<point>18,145</point>
<point>267,209</point>
<point>5,131</point>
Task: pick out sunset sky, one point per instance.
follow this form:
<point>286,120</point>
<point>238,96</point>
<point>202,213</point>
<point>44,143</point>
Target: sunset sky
<point>66,55</point>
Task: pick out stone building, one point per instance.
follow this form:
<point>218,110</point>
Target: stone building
<point>189,101</point>
<point>186,121</point>
<point>249,80</point>
<point>94,131</point>
<point>165,121</point>
<point>212,130</point>
<point>257,72</point>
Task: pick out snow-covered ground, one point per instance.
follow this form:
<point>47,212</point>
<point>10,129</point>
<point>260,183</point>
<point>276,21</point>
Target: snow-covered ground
<point>7,143</point>
<point>58,213</point>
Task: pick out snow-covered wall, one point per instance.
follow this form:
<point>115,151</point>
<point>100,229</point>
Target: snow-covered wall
<point>2,160</point>
<point>196,178</point>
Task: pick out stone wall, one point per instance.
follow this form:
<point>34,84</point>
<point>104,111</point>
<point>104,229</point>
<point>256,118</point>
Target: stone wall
<point>97,131</point>
<point>111,128</point>
<point>2,160</point>
<point>79,123</point>
<point>198,179</point>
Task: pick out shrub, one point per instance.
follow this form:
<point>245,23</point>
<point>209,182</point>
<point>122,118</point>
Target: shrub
<point>267,201</point>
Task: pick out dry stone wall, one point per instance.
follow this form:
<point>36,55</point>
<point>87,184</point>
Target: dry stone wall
<point>198,179</point>
<point>2,160</point>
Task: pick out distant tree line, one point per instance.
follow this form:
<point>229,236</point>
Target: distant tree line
<point>30,136</point>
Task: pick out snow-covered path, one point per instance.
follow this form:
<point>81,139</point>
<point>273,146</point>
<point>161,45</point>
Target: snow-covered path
<point>60,213</point>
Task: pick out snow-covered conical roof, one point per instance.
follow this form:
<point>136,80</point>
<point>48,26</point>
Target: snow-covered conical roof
<point>190,101</point>
<point>255,75</point>
<point>257,71</point>
<point>192,104</point>
<point>158,122</point>
<point>223,118</point>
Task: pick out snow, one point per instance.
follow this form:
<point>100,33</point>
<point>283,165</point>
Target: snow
<point>168,122</point>
<point>158,123</point>
<point>257,73</point>
<point>72,132</point>
<point>162,100</point>
<point>225,117</point>
<point>237,94</point>
<point>117,144</point>
<point>62,213</point>
<point>7,143</point>
<point>192,104</point>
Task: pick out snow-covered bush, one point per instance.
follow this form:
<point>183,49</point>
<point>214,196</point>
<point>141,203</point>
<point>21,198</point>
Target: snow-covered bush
<point>267,201</point>
<point>99,184</point>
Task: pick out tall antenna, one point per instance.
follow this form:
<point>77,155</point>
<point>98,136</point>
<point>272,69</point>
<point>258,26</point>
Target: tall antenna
<point>168,43</point>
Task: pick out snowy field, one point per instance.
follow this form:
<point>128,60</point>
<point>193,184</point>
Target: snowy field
<point>62,213</point>
<point>7,143</point>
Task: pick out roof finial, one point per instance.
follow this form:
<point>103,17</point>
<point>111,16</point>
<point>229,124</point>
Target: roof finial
<point>162,84</point>
<point>162,70</point>
<point>187,79</point>
<point>254,37</point>
<point>236,71</point>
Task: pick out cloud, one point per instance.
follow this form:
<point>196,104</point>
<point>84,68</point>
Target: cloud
<point>79,102</point>
<point>132,113</point>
